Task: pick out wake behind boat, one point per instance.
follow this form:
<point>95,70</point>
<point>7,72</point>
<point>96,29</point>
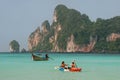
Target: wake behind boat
<point>36,57</point>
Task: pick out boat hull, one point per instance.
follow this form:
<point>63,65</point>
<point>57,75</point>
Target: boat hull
<point>75,69</point>
<point>38,58</point>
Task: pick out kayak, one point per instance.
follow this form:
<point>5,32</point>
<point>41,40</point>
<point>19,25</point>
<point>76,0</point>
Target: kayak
<point>75,69</point>
<point>69,70</point>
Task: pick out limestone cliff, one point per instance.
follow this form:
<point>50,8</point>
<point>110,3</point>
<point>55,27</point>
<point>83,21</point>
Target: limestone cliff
<point>72,31</point>
<point>72,47</point>
<point>38,35</point>
<point>14,46</point>
<point>88,48</point>
<point>113,37</point>
<point>53,39</point>
<point>34,39</point>
<point>45,27</point>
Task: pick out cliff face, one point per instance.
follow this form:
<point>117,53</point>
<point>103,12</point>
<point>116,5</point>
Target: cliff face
<point>72,47</point>
<point>34,39</point>
<point>113,37</point>
<point>89,47</point>
<point>72,31</point>
<point>45,28</point>
<point>38,35</point>
<point>54,37</point>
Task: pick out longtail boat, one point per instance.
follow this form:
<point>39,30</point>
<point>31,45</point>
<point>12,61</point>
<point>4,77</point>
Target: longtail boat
<point>38,58</point>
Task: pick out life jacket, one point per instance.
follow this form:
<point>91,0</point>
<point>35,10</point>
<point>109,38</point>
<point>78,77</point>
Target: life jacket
<point>62,65</point>
<point>73,66</point>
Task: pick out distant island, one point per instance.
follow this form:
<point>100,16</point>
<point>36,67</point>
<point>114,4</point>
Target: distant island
<point>15,47</point>
<point>72,31</point>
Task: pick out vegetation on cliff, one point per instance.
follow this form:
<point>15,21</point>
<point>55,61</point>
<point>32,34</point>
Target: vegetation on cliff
<point>14,46</point>
<point>103,28</point>
<point>72,22</point>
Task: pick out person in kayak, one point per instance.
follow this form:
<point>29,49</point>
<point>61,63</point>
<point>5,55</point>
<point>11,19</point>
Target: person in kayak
<point>73,65</point>
<point>63,65</point>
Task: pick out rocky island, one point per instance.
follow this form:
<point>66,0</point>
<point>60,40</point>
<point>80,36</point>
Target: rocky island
<point>14,46</point>
<point>72,31</point>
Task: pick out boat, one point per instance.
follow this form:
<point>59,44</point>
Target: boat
<point>36,57</point>
<point>68,70</point>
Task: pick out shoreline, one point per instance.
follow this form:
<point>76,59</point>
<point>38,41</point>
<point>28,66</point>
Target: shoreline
<point>62,52</point>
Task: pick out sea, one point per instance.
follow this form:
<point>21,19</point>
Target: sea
<point>20,66</point>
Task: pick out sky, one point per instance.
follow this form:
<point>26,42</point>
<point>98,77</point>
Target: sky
<point>19,18</point>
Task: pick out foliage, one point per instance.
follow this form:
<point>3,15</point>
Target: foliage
<point>14,45</point>
<point>82,28</point>
<point>43,46</point>
<point>46,23</point>
<point>103,28</point>
<point>72,23</point>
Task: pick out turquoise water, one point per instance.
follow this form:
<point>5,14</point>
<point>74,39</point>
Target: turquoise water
<point>94,67</point>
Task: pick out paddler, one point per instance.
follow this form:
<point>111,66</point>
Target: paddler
<point>63,65</point>
<point>73,65</point>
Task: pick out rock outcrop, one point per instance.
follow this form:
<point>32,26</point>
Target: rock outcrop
<point>45,27</point>
<point>72,31</point>
<point>113,37</point>
<point>14,46</point>
<point>38,35</point>
<point>53,39</point>
<point>55,17</point>
<point>34,39</point>
<point>88,48</point>
<point>72,47</point>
